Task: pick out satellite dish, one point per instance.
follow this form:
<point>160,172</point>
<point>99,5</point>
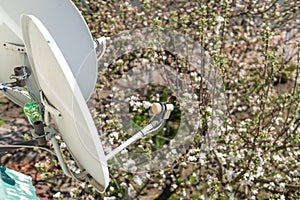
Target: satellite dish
<point>65,23</point>
<point>47,47</point>
<point>59,86</point>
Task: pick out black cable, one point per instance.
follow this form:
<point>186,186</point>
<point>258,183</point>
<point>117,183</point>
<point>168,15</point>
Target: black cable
<point>5,148</point>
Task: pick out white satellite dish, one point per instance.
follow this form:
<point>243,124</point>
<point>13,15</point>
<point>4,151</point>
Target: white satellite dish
<point>51,39</point>
<point>65,23</point>
<point>59,86</point>
<point>62,98</point>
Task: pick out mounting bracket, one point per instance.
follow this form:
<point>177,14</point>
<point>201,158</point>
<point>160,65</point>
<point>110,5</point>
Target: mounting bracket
<point>15,47</point>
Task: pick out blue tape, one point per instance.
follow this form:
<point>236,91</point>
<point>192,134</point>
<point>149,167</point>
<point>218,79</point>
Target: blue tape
<point>4,87</point>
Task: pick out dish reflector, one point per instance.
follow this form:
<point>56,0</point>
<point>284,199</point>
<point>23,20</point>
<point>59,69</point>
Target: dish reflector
<point>66,25</point>
<point>59,86</point>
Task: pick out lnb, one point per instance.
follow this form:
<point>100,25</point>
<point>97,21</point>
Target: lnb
<point>159,108</point>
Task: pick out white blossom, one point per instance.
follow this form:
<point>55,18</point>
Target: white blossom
<point>278,176</point>
<point>137,179</point>
<point>277,158</point>
<point>220,19</point>
<point>57,195</point>
<point>282,186</point>
<point>192,158</point>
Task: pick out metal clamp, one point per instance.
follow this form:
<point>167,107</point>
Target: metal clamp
<point>21,74</point>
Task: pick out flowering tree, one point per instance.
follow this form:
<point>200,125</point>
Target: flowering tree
<point>255,46</point>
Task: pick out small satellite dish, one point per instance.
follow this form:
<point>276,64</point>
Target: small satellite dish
<point>65,23</point>
<point>61,90</point>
